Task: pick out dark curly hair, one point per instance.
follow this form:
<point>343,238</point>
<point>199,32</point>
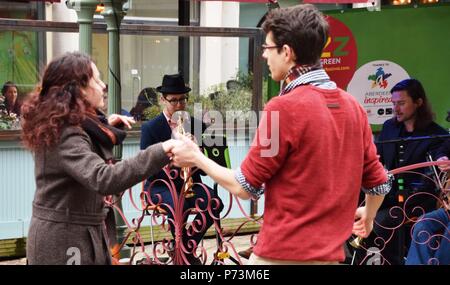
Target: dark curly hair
<point>58,102</point>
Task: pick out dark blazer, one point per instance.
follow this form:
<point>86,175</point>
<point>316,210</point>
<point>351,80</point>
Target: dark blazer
<point>158,130</point>
<point>444,150</point>
<point>414,152</point>
<point>69,214</point>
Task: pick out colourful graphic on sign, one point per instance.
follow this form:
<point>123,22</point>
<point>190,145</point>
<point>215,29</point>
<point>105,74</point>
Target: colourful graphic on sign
<point>371,86</point>
<point>340,56</point>
<point>379,78</point>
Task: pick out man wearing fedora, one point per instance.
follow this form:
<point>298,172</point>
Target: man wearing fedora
<point>174,98</point>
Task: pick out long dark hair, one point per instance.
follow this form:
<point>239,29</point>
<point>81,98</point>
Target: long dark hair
<point>7,85</point>
<point>415,90</point>
<point>58,102</point>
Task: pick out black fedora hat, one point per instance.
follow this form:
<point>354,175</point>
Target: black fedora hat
<point>173,84</point>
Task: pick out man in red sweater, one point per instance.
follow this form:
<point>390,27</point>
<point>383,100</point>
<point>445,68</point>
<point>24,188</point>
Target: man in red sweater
<point>317,156</point>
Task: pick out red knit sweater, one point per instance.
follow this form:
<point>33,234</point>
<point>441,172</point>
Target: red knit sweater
<point>325,155</point>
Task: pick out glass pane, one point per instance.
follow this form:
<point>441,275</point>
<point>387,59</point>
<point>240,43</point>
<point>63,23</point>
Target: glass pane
<point>217,69</point>
<point>225,82</point>
<point>100,54</point>
<point>18,10</point>
<point>19,58</point>
<point>160,9</point>
<point>218,74</point>
<point>154,8</point>
<point>19,72</point>
<point>144,61</point>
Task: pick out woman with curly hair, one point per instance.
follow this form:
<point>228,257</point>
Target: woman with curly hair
<point>72,143</point>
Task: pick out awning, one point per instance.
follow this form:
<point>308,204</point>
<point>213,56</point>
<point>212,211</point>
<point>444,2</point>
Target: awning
<point>261,1</point>
<point>250,1</point>
<point>305,1</point>
<point>334,1</point>
<point>45,1</point>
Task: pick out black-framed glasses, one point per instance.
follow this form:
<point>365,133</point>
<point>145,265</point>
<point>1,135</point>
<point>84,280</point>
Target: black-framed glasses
<point>174,102</point>
<point>264,47</point>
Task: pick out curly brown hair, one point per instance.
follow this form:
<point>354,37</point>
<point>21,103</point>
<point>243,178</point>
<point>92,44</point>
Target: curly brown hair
<point>58,102</point>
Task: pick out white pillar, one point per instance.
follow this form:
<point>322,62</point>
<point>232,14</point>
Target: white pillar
<point>61,42</point>
<point>219,56</point>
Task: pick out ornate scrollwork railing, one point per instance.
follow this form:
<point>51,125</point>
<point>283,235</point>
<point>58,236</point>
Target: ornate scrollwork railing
<point>410,215</point>
<point>175,249</point>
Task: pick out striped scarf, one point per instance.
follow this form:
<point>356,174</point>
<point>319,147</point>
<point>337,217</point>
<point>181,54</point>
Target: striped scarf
<point>306,74</point>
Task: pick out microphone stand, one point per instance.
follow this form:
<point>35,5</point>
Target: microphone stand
<point>408,139</point>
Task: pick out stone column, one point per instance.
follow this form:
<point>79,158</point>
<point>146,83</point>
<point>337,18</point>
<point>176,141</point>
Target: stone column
<point>85,11</point>
<point>113,14</point>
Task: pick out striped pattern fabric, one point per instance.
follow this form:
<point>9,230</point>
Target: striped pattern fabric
<point>381,189</point>
<point>318,78</point>
<point>240,178</point>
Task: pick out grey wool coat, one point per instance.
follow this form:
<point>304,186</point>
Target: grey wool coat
<point>68,223</point>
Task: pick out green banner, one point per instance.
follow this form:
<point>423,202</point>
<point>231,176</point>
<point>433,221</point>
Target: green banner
<point>417,39</point>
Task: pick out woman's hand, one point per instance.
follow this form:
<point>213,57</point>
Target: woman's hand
<point>168,145</point>
<point>186,153</point>
<point>115,119</point>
